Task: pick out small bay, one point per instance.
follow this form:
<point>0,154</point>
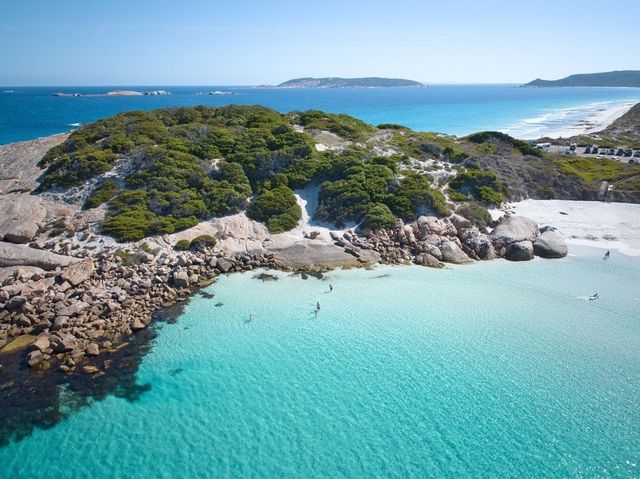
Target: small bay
<point>488,370</point>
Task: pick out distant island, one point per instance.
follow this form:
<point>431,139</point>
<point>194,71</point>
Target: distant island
<point>624,78</point>
<point>118,93</point>
<point>336,82</point>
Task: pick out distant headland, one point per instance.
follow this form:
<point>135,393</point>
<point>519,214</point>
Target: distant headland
<point>624,78</point>
<point>336,82</point>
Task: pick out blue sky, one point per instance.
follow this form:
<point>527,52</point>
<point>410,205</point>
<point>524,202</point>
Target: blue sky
<point>241,42</point>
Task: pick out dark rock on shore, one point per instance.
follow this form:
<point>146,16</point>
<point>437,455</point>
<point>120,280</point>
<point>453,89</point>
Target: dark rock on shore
<point>519,251</point>
<point>425,259</point>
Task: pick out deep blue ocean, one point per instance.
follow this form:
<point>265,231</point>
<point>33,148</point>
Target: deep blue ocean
<point>27,113</point>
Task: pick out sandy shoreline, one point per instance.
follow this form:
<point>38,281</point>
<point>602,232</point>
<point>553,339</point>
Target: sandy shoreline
<point>611,226</point>
<point>566,122</point>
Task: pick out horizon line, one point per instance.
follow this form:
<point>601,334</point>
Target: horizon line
<point>2,85</point>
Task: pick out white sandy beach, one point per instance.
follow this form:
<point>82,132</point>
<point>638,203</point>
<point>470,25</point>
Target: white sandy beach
<point>612,226</point>
<point>568,122</point>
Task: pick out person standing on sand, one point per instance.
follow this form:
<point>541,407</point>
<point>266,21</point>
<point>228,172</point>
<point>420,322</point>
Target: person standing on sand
<point>607,254</point>
<point>330,288</point>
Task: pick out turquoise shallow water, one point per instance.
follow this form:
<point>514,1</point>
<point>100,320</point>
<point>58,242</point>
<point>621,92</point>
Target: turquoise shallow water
<point>489,370</point>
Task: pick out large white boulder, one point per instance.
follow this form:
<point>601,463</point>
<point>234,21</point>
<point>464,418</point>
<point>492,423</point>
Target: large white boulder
<point>550,244</point>
<point>513,229</point>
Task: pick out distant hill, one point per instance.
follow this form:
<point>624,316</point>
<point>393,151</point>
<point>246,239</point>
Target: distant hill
<point>624,78</point>
<point>335,82</point>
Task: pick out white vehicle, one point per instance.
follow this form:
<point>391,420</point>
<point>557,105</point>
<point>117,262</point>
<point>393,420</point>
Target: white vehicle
<point>600,156</point>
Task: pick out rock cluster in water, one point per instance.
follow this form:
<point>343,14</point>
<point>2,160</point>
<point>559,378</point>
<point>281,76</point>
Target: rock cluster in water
<point>64,309</point>
<point>72,312</point>
<point>431,241</point>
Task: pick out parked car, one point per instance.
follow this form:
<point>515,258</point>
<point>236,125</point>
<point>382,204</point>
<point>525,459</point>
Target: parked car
<point>632,161</point>
<point>636,153</point>
<point>611,151</point>
<point>573,146</point>
<point>587,150</point>
<point>620,152</point>
<point>628,152</point>
<point>600,156</point>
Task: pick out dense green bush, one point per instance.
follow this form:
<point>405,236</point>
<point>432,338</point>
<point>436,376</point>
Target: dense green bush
<point>347,199</point>
<point>130,225</point>
<point>182,245</point>
<point>413,194</point>
<point>72,169</point>
<point>378,216</point>
<point>490,196</point>
<point>277,208</point>
<point>488,136</point>
<point>344,126</point>
<point>457,196</point>
<point>480,185</point>
<point>391,126</point>
<point>475,212</point>
<point>454,155</point>
<point>202,241</point>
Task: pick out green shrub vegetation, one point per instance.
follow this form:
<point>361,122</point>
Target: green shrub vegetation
<point>106,190</point>
<point>198,243</point>
<point>344,126</point>
<point>493,136</point>
<point>378,216</point>
<point>475,212</point>
<point>202,241</point>
<point>181,166</point>
<point>187,164</point>
<point>182,245</point>
<point>391,126</point>
<point>480,185</point>
<point>277,208</point>
<point>457,196</point>
<point>596,169</point>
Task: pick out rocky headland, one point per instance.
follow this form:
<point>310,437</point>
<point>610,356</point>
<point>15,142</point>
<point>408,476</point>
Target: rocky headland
<point>72,295</point>
<point>67,298</point>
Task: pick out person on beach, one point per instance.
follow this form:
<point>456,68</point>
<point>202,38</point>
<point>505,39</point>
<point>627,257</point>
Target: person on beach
<point>317,307</point>
<point>607,254</point>
<point>330,288</point>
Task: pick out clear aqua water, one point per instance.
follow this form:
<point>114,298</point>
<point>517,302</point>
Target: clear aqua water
<point>489,370</point>
<point>27,113</point>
